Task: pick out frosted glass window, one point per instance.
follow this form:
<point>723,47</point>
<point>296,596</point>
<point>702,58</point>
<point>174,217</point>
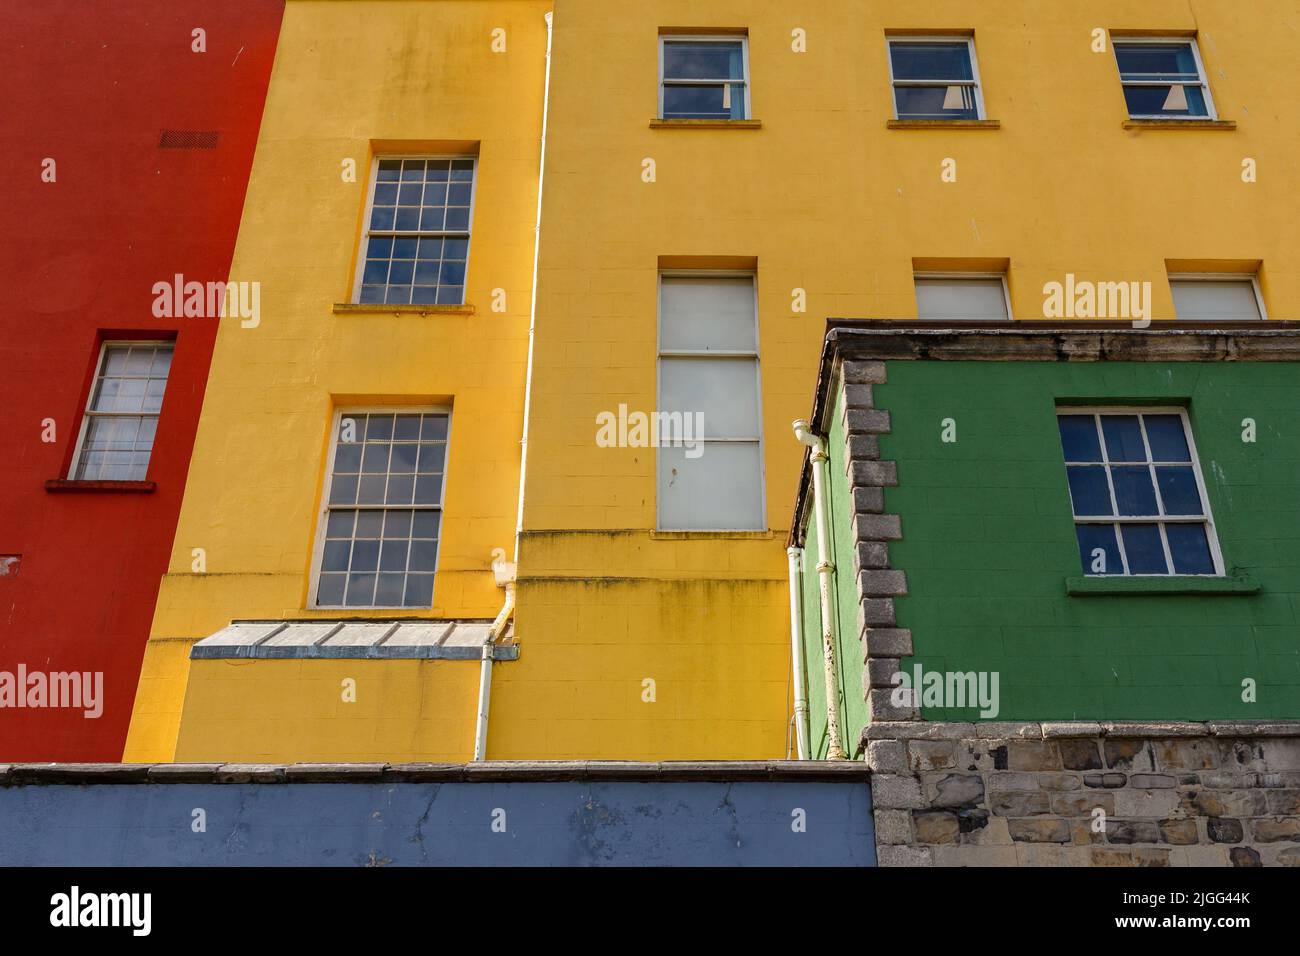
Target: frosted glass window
<point>966,298</point>
<point>1136,492</point>
<point>122,413</point>
<point>1212,299</point>
<point>711,477</point>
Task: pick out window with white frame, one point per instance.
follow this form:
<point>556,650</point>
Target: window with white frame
<point>117,432</point>
<point>378,541</point>
<point>1230,297</point>
<point>416,243</point>
<point>935,78</point>
<point>1137,492</point>
<point>711,479</point>
<point>962,296</point>
<point>703,77</point>
<point>1163,78</point>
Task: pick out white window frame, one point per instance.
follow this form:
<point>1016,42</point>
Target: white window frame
<point>1002,276</point>
<point>952,39</point>
<point>738,354</point>
<point>366,233</point>
<point>323,513</point>
<point>741,38</point>
<point>1204,81</point>
<point>1252,277</point>
<point>87,414</point>
<point>1207,519</point>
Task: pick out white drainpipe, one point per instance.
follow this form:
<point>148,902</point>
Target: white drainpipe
<point>507,572</point>
<point>796,653</point>
<point>825,574</point>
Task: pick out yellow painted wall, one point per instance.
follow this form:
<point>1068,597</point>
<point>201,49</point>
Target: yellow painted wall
<point>824,196</point>
<point>831,201</point>
<point>348,75</point>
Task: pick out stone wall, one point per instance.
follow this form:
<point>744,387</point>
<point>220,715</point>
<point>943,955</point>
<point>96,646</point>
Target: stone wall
<point>1086,794</point>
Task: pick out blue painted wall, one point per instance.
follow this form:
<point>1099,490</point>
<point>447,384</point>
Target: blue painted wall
<point>448,824</point>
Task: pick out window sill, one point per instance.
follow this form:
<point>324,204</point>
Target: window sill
<point>368,308</point>
<point>1179,124</point>
<point>943,124</point>
<point>118,487</point>
<point>1090,586</point>
<point>710,535</point>
<point>706,124</point>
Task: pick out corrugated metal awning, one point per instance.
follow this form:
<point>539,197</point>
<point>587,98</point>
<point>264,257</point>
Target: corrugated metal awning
<point>377,640</point>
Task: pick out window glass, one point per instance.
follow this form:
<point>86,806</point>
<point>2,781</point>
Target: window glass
<point>121,417</point>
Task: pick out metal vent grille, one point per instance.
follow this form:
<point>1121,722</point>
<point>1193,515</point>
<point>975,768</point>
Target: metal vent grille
<point>188,139</point>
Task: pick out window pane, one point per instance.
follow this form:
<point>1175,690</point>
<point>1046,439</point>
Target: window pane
<point>1178,491</point>
<point>719,490</point>
<point>960,299</point>
<point>1173,100</point>
<point>1123,438</point>
<point>723,391</point>
<point>724,101</point>
<point>709,60</point>
<point>1190,549</point>
<point>931,61</point>
<point>1099,537</point>
<point>1089,492</point>
<point>1154,61</point>
<point>1079,438</point>
<point>1209,300</point>
<point>1142,547</point>
<point>1134,492</point>
<point>1166,437</point>
<point>935,102</point>
<point>707,313</point>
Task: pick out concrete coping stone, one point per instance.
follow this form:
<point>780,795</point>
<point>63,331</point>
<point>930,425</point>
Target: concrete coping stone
<point>497,771</point>
<point>1049,730</point>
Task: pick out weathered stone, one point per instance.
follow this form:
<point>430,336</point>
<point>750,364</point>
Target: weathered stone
<point>935,826</point>
<point>1000,782</point>
<point>918,730</point>
<point>1001,729</point>
<point>1039,830</point>
<point>878,611</point>
<point>1244,856</point>
<point>1206,855</point>
<point>884,756</point>
<point>858,372</point>
<point>866,421</point>
<point>1059,781</point>
<point>1269,781</point>
<point>1080,754</point>
<point>1179,832</point>
<point>1152,781</point>
<point>886,642</point>
<point>882,672</point>
<point>862,448</point>
<point>1143,728</point>
<point>975,856</point>
<point>1138,856</point>
<point>896,791</point>
<point>859,396</point>
<point>1283,802</point>
<point>893,826</point>
<point>881,707</point>
<point>1224,830</point>
<point>1048,854</point>
<point>1254,728</point>
<point>1149,804</point>
<point>972,821</point>
<point>1221,779</point>
<point>1275,829</point>
<point>1018,803</point>
<point>868,500</point>
<point>1110,781</point>
<point>1132,831</point>
<point>958,790</point>
<point>883,474</point>
<point>1033,755</point>
<point>882,583</point>
<point>869,555</point>
<point>1071,728</point>
<point>1227,803</point>
<point>1289,857</point>
<point>903,856</point>
<point>931,754</point>
<point>1082,804</point>
<point>1128,753</point>
<point>870,527</point>
<point>1202,754</point>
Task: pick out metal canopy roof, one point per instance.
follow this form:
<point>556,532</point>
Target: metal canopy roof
<point>379,640</point>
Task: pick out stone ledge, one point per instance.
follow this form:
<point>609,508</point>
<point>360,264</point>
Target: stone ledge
<point>1049,730</point>
<point>49,774</point>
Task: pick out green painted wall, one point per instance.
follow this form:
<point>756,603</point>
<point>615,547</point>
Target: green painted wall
<point>988,541</point>
<point>853,707</point>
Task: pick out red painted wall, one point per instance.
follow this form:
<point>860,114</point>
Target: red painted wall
<point>92,84</point>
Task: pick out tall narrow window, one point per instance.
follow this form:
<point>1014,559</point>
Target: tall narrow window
<point>1163,79</point>
<point>703,78</point>
<point>1138,496</point>
<point>962,297</point>
<point>935,78</point>
<point>378,543</point>
<point>1213,297</point>
<point>122,414</point>
<point>416,244</point>
<point>710,449</point>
